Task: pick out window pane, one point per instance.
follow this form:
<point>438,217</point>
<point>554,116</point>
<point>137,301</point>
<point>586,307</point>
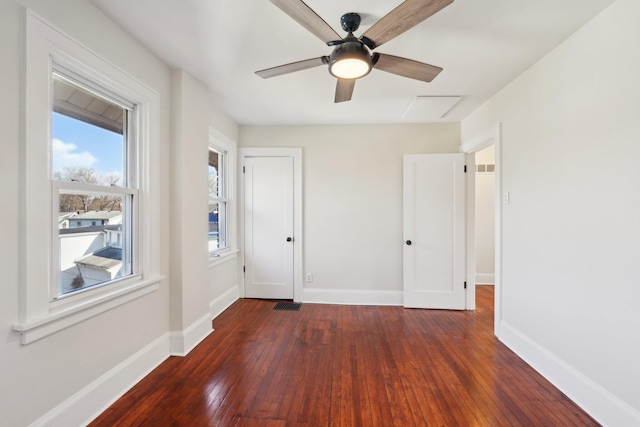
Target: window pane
<point>88,136</point>
<point>216,172</point>
<point>216,226</point>
<point>217,202</point>
<point>93,244</point>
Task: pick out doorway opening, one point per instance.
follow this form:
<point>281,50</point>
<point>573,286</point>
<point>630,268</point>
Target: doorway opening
<point>473,148</point>
<point>485,216</point>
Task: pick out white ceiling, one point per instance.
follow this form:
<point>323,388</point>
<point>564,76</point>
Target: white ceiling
<point>481,44</point>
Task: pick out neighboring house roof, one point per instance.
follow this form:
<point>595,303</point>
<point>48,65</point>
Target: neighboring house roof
<point>105,258</point>
<point>78,230</point>
<point>98,215</point>
<point>66,215</point>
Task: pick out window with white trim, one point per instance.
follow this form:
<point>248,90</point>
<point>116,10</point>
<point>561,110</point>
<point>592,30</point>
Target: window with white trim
<point>218,200</point>
<point>65,186</point>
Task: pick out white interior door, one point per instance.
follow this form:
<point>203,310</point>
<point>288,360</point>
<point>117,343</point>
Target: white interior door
<point>434,231</point>
<point>268,222</point>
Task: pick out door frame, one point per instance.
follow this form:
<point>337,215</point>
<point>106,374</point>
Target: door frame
<point>492,136</point>
<point>296,154</point>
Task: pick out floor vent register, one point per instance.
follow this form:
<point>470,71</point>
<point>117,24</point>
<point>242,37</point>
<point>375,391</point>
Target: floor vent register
<point>288,306</point>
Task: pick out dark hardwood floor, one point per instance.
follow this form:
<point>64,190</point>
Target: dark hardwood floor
<point>329,365</point>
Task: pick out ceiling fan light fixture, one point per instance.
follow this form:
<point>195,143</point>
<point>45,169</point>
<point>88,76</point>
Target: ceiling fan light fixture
<point>350,60</point>
<point>350,68</point>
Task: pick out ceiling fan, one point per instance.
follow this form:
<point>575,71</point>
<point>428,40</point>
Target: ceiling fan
<point>351,57</point>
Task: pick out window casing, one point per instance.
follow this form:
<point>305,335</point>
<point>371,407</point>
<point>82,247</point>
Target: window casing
<point>42,310</point>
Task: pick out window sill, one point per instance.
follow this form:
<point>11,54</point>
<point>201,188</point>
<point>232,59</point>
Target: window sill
<point>57,320</point>
<point>222,257</point>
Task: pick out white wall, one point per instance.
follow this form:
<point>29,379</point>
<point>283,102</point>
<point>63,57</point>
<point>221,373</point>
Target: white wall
<point>75,245</point>
<point>571,234</point>
<point>36,378</point>
<point>224,285</point>
<point>193,286</point>
<point>189,252</point>
<point>352,198</point>
<point>485,218</point>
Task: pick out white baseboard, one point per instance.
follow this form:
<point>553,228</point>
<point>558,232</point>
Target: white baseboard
<point>182,342</point>
<point>602,405</point>
<point>485,278</point>
<point>85,405</point>
<point>223,301</point>
<point>351,297</point>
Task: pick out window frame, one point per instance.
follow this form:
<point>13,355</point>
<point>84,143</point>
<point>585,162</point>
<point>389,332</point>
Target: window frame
<point>222,198</point>
<point>45,49</point>
<point>128,190</point>
<point>221,144</point>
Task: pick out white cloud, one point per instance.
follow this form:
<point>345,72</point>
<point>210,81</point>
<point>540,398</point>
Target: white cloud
<point>65,155</point>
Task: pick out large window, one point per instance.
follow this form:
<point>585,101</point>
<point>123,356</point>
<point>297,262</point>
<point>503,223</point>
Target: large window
<point>89,193</point>
<point>218,200</point>
<point>94,190</point>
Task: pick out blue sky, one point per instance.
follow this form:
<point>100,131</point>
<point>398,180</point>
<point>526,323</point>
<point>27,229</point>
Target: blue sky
<point>76,143</point>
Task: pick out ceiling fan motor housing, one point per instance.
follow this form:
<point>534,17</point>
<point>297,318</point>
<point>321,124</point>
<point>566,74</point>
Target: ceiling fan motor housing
<point>350,22</point>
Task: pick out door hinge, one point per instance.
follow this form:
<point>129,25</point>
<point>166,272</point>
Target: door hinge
<point>465,285</point>
<point>244,269</point>
<point>243,170</point>
<point>465,168</point>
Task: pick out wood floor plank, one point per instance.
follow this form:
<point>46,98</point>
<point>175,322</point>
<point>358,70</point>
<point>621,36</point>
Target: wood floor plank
<point>328,365</point>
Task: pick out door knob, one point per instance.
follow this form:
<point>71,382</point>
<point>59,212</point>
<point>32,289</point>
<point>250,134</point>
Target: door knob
<point>408,242</point>
<point>289,239</point>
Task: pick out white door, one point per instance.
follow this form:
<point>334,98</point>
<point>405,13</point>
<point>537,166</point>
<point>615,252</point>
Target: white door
<point>434,231</point>
<point>268,221</point>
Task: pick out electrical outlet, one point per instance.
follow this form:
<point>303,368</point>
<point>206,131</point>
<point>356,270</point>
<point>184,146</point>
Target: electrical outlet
<point>309,277</point>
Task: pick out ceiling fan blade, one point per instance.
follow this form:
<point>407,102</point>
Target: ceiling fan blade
<point>405,67</point>
<point>292,67</point>
<point>407,15</point>
<point>344,90</point>
<point>305,16</point>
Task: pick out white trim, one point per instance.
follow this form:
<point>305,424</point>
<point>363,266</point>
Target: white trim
<point>55,321</point>
<point>470,254</point>
<point>82,188</point>
<point>182,342</point>
<point>485,278</point>
<point>296,153</point>
<point>223,301</point>
<point>351,297</point>
<point>222,257</point>
<point>85,405</point>
<point>598,402</point>
<point>483,140</point>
